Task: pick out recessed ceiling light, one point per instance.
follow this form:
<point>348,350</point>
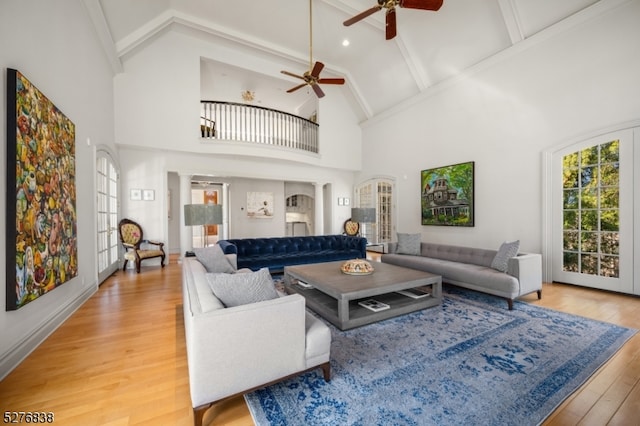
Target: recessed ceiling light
<point>345,42</point>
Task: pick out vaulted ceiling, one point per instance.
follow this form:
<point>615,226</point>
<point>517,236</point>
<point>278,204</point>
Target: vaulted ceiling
<point>430,47</point>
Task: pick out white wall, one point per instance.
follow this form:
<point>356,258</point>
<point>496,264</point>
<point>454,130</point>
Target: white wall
<point>157,103</point>
<point>242,226</point>
<point>146,170</point>
<point>54,45</point>
<point>555,86</point>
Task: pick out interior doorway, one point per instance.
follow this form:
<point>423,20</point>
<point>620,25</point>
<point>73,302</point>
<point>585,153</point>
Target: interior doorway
<point>299,214</point>
<point>211,197</point>
<point>205,193</point>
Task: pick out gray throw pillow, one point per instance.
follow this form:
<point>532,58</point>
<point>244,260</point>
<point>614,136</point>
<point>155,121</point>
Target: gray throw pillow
<point>242,289</point>
<point>507,250</point>
<point>409,244</point>
<point>214,260</point>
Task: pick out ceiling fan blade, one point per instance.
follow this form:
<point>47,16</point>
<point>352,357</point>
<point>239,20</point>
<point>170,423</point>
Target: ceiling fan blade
<point>390,29</point>
<point>361,16</point>
<point>318,90</point>
<point>331,81</point>
<point>315,72</point>
<point>299,86</point>
<point>422,4</point>
<point>290,74</point>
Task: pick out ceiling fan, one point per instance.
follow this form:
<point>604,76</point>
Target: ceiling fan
<point>390,5</point>
<point>312,76</point>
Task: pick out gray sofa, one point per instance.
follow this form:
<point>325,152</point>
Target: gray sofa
<point>471,268</point>
<point>232,351</point>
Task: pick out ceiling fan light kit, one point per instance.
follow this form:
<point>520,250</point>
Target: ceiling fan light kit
<point>312,76</point>
<point>390,18</point>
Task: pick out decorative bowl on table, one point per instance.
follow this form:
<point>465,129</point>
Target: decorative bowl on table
<point>356,267</point>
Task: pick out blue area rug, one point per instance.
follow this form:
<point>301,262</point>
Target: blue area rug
<point>467,362</point>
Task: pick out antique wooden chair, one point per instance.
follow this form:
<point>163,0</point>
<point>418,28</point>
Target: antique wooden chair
<point>351,228</point>
<point>131,238</point>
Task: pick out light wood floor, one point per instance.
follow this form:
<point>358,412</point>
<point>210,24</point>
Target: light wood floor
<point>120,360</point>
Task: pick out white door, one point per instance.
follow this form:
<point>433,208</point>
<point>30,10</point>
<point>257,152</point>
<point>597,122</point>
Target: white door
<point>593,232</point>
<point>377,193</point>
<point>385,209</point>
<point>107,208</point>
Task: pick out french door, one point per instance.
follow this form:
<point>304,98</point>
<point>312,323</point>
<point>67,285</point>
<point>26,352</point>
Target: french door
<point>377,193</point>
<point>107,208</point>
<point>592,208</point>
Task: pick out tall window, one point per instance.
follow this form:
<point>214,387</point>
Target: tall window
<point>591,210</point>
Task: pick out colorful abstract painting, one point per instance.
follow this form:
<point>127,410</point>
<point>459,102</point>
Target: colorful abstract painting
<point>448,195</point>
<point>41,194</point>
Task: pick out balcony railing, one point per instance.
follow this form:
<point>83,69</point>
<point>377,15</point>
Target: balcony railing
<point>247,123</point>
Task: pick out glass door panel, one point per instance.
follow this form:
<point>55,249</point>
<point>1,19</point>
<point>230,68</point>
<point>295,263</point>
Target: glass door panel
<point>593,221</point>
<point>377,193</point>
<point>107,212</point>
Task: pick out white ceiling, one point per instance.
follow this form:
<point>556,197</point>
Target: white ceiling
<point>430,47</point>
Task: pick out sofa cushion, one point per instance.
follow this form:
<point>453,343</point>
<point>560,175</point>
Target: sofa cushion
<point>506,250</point>
<point>242,289</point>
<point>409,244</point>
<point>214,260</point>
<point>202,298</point>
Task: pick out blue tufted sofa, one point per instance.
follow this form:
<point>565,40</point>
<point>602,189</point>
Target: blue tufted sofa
<point>277,252</point>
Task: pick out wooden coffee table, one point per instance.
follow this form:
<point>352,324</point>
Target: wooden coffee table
<point>335,295</point>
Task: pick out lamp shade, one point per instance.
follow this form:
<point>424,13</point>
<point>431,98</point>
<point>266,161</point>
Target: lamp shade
<point>202,214</point>
<point>363,214</point>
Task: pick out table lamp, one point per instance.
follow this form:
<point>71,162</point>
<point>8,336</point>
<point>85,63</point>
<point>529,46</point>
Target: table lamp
<point>202,214</point>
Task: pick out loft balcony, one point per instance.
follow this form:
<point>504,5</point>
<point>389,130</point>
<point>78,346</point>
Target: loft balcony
<point>230,121</point>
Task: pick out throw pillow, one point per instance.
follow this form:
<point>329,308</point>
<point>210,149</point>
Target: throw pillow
<point>242,289</point>
<point>214,260</point>
<point>409,244</point>
<point>507,250</point>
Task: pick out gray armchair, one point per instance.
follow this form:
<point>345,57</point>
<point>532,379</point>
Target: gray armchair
<point>233,351</point>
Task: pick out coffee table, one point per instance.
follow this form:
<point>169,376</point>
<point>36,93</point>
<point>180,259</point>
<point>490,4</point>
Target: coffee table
<point>335,295</point>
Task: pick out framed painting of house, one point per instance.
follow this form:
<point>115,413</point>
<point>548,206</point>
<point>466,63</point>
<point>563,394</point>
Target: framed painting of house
<point>41,238</point>
<point>447,196</point>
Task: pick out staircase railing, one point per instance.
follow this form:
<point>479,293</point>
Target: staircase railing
<point>248,123</point>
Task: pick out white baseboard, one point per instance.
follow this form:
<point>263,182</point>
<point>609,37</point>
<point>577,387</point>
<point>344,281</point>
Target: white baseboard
<point>12,358</point>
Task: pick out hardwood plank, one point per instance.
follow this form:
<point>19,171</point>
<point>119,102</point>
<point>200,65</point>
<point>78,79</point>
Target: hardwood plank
<point>121,359</point>
<point>602,382</point>
<point>628,412</point>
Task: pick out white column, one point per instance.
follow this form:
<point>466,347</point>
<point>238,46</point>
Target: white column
<point>224,229</point>
<point>186,232</point>
<point>319,209</point>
